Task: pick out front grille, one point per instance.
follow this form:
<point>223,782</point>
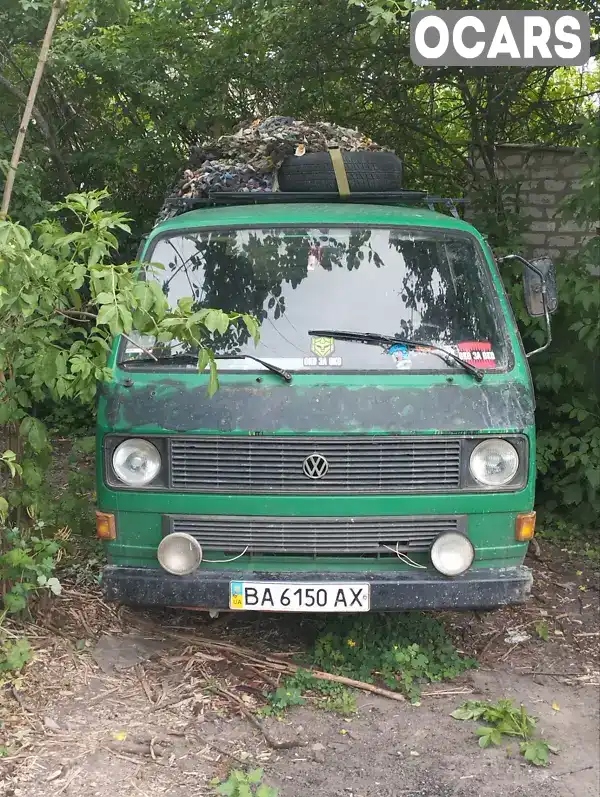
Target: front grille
<point>357,464</point>
<point>314,535</point>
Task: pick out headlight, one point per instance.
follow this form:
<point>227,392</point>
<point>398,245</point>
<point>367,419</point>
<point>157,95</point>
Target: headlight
<point>494,463</point>
<point>452,553</point>
<point>179,553</point>
<point>136,462</point>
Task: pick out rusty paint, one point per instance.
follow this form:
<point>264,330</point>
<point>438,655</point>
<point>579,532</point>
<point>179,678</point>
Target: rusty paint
<point>169,404</point>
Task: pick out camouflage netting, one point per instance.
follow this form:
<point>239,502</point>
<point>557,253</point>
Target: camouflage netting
<point>248,160</point>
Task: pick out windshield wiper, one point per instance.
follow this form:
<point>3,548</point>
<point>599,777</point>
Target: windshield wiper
<point>275,369</point>
<point>374,339</point>
<point>192,359</point>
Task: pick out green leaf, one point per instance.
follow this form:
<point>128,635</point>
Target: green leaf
<point>32,475</point>
<point>126,318</point>
<point>97,250</point>
<point>216,320</point>
<point>471,710</point>
<point>537,752</point>
<point>185,304</point>
<point>105,298</point>
<point>541,629</point>
<point>14,655</point>
<point>3,508</point>
<point>266,791</point>
<point>13,602</point>
<point>35,433</point>
<point>108,313</point>
<point>573,494</point>
<point>253,327</point>
<point>228,788</point>
<point>204,359</point>
<point>488,736</point>
<point>213,383</point>
<point>255,775</point>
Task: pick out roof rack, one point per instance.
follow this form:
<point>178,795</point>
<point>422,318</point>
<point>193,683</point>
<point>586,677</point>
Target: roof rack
<point>183,205</point>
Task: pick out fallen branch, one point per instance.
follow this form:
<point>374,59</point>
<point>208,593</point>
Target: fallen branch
<point>274,743</point>
<point>341,679</point>
<point>283,666</point>
<point>129,758</point>
<point>144,683</point>
<point>135,748</point>
<point>226,753</point>
<point>572,771</point>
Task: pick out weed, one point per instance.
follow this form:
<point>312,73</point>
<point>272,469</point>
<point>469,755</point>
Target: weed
<point>576,539</point>
<point>27,566</point>
<point>541,629</point>
<point>503,719</point>
<point>244,784</point>
<point>14,654</point>
<point>341,701</point>
<point>292,692</point>
<point>289,694</point>
<point>73,504</point>
<point>68,417</point>
<point>400,650</point>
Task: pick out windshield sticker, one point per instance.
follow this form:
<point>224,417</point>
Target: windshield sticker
<point>401,355</point>
<point>322,362</point>
<point>322,347</point>
<point>477,352</point>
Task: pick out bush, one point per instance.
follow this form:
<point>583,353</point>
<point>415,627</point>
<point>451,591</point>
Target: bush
<point>565,376</point>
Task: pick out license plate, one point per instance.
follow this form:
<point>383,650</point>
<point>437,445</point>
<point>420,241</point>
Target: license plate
<point>281,596</point>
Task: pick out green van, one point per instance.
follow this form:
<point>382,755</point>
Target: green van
<point>374,451</point>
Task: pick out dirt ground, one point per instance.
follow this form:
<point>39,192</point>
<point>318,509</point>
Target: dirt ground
<point>119,703</point>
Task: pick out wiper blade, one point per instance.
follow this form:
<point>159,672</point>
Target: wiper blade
<point>374,339</point>
<point>275,369</point>
<point>162,359</point>
<point>192,359</point>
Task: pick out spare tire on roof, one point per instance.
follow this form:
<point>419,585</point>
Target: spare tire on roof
<point>366,171</point>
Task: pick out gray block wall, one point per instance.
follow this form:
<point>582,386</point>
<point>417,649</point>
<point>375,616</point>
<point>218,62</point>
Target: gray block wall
<point>537,180</point>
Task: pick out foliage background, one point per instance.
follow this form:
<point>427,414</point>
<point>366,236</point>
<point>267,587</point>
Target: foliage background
<point>131,85</point>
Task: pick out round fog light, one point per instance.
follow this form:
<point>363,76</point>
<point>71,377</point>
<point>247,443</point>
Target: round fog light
<point>452,553</point>
<point>179,553</point>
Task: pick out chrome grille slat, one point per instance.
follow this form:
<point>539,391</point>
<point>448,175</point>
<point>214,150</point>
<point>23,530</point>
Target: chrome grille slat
<point>314,535</point>
<point>273,464</point>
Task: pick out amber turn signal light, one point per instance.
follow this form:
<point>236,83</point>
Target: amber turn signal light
<point>106,528</point>
<point>525,526</point>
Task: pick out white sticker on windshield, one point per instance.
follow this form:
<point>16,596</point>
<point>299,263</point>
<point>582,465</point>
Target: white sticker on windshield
<point>322,362</point>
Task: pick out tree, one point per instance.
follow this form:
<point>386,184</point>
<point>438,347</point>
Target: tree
<point>62,300</point>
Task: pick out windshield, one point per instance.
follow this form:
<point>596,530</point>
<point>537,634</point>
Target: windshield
<point>420,284</point>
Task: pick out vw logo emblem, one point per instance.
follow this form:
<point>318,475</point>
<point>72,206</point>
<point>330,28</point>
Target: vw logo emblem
<point>315,466</point>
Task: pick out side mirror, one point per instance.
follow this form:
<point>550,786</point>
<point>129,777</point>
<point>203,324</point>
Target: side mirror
<point>539,279</point>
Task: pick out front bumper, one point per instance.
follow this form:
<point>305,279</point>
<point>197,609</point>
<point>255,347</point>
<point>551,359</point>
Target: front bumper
<point>209,589</point>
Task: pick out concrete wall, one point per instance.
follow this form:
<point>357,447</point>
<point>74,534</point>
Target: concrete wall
<point>537,180</point>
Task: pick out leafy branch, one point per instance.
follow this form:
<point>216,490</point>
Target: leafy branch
<point>63,299</point>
